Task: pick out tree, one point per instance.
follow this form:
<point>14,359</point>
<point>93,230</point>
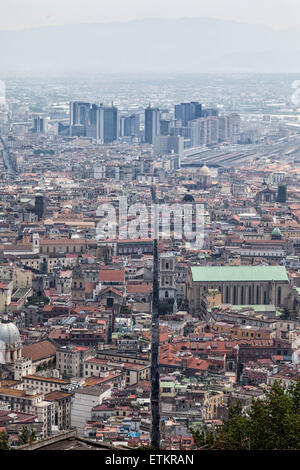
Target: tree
<point>272,423</point>
<point>32,435</point>
<point>27,436</point>
<point>286,314</point>
<point>4,441</point>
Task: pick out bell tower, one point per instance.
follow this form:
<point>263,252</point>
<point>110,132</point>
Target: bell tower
<point>78,285</point>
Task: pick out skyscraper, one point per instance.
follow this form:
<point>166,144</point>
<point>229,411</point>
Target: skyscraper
<point>79,117</point>
<point>79,113</point>
<point>165,127</point>
<point>152,123</point>
<point>129,125</point>
<point>187,112</point>
<point>224,128</point>
<point>91,120</point>
<point>207,112</point>
<point>40,124</point>
<point>107,124</point>
<point>204,131</point>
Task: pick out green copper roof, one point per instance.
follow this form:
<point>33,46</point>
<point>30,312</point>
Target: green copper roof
<point>238,273</point>
<point>167,384</point>
<point>256,308</point>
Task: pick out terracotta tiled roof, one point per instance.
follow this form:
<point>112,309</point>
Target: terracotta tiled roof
<point>56,395</point>
<point>62,241</point>
<point>111,275</point>
<point>139,288</point>
<point>40,350</point>
<point>110,289</point>
<point>89,287</point>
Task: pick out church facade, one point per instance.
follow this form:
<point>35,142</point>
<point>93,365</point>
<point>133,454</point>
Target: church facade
<point>238,285</point>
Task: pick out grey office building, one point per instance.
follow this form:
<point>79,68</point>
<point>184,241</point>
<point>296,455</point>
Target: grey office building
<point>152,124</point>
<point>187,112</point>
<point>106,124</point>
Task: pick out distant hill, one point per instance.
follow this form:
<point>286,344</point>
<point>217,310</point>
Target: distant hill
<point>192,45</point>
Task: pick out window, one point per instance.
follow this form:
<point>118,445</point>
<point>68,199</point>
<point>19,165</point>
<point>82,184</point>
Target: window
<point>279,296</point>
<point>227,295</point>
<point>242,295</point>
<point>234,295</point>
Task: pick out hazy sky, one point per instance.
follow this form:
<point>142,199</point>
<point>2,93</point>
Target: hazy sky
<point>17,14</point>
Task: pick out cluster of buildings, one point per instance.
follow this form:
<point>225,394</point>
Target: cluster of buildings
<point>76,304</point>
<point>188,125</point>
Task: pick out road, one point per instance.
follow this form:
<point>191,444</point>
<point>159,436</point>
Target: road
<point>9,168</point>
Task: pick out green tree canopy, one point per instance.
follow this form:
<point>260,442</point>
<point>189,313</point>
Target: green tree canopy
<point>4,441</point>
<point>272,423</point>
<point>26,436</point>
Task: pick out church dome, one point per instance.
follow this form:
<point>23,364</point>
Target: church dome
<point>188,198</point>
<point>9,333</point>
<point>204,171</point>
<point>276,232</point>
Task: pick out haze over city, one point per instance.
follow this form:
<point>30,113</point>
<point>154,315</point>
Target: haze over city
<point>149,228</point>
<point>19,14</point>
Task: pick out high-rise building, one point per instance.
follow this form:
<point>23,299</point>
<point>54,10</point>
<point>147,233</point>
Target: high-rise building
<point>152,124</point>
<point>129,126</point>
<point>207,112</point>
<point>167,144</point>
<point>79,113</point>
<point>165,126</point>
<point>199,132</point>
<point>224,128</point>
<point>107,126</point>
<point>234,125</point>
<point>187,112</point>
<point>91,120</point>
<point>40,124</point>
<point>213,129</point>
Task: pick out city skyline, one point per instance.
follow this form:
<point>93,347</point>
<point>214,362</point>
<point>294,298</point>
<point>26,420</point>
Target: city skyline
<point>149,228</point>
